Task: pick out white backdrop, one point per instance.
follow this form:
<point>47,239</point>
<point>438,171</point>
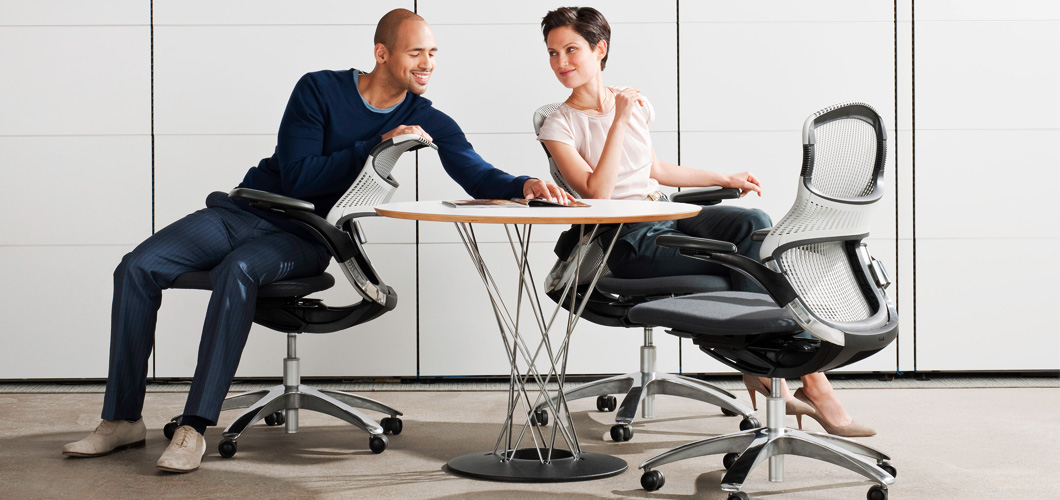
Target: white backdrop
<point>118,117</point>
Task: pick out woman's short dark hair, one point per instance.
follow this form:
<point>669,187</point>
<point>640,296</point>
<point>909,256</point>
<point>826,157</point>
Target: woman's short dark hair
<point>585,21</point>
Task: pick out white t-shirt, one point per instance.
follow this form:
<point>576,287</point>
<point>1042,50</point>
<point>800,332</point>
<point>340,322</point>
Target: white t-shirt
<point>587,132</point>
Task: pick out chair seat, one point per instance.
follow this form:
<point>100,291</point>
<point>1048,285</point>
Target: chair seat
<point>666,285</point>
<point>717,313</point>
<point>294,287</point>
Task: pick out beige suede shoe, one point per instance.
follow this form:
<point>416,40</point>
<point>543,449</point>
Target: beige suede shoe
<point>109,436</point>
<point>185,451</point>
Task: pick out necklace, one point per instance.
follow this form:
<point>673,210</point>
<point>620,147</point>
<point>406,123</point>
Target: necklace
<point>608,105</point>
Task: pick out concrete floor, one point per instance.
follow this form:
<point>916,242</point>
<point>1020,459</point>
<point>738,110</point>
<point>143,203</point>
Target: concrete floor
<point>947,443</point>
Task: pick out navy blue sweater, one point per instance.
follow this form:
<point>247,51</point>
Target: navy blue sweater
<point>327,132</point>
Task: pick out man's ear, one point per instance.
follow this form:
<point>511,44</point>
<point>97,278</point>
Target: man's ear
<point>381,53</point>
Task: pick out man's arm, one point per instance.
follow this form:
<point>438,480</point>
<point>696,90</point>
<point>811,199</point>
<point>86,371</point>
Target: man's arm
<point>479,178</point>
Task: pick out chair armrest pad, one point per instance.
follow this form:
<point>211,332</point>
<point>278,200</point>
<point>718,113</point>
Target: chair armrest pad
<point>761,234</point>
<point>270,201</point>
<point>724,253</point>
<point>338,242</point>
<point>706,196</point>
<point>694,245</point>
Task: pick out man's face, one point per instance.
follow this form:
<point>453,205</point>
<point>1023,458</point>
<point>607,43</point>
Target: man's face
<point>411,61</point>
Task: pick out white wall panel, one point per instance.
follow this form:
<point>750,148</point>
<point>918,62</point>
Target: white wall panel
<point>781,11</point>
<point>385,346</point>
<point>75,190</point>
<point>978,313</point>
<point>75,80</point>
<point>439,12</point>
<point>56,308</point>
<point>74,12</point>
<point>987,10</point>
<point>987,75</point>
<point>273,12</point>
<point>237,79</point>
<point>960,193</point>
<point>771,76</point>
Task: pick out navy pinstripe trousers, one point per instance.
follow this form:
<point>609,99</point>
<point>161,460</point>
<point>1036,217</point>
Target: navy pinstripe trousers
<point>243,252</point>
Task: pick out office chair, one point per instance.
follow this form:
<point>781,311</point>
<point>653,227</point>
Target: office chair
<point>283,305</point>
<point>826,306</point>
<point>609,304</point>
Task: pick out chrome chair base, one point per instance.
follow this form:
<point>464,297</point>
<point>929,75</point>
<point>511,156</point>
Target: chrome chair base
<point>341,405</point>
<point>745,450</point>
<point>640,389</point>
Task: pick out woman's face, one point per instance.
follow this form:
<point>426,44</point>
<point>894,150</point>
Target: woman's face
<point>572,59</point>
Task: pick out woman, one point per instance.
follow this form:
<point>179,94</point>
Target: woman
<point>599,138</point>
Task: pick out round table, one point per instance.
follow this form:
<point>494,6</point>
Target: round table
<point>545,459</point>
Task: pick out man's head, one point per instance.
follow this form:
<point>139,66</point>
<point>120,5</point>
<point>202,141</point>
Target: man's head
<point>404,50</point>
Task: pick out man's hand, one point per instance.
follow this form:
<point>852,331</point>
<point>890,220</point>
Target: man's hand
<point>537,188</point>
<point>745,182</point>
<point>407,129</point>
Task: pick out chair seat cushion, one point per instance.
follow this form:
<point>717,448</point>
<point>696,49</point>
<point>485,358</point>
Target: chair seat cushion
<point>294,287</point>
<point>717,313</point>
<point>668,285</point>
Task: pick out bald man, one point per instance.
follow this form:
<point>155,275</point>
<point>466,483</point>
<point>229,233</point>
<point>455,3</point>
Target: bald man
<point>332,121</point>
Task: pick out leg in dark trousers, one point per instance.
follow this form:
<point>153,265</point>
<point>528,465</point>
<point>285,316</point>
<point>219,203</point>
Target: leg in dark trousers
<point>199,241</point>
<point>716,222</point>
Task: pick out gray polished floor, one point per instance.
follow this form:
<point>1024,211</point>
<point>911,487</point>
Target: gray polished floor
<point>950,439</point>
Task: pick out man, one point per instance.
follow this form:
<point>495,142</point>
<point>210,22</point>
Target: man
<point>332,121</point>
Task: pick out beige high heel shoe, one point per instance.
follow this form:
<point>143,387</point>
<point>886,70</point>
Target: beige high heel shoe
<point>853,429</point>
<point>791,406</point>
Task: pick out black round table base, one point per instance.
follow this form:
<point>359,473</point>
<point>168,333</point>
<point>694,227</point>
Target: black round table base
<point>527,468</point>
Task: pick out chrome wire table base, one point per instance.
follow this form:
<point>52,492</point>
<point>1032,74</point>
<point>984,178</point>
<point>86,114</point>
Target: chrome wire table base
<point>528,450</point>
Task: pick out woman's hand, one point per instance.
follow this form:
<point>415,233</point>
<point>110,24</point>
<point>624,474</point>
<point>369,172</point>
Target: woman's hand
<point>625,101</point>
<point>745,182</point>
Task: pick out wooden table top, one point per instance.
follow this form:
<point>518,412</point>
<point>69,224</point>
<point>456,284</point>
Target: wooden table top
<point>598,212</point>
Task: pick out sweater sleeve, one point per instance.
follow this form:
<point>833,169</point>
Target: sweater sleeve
<point>479,178</point>
<point>305,171</point>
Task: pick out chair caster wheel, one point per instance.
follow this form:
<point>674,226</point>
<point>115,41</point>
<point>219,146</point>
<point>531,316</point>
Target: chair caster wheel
<point>877,493</point>
<point>169,429</point>
<point>227,448</point>
<point>738,495</point>
<point>652,480</point>
<point>391,425</point>
<point>728,413</point>
<point>606,403</point>
<point>275,419</point>
<point>621,433</point>
<point>378,443</point>
<point>749,423</point>
<point>888,468</point>
<point>729,459</point>
<point>539,417</point>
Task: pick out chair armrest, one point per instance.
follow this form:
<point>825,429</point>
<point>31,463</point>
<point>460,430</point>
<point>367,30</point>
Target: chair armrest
<point>337,241</point>
<point>724,253</point>
<point>705,196</point>
<point>761,234</point>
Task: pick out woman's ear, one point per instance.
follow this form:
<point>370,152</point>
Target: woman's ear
<point>601,49</point>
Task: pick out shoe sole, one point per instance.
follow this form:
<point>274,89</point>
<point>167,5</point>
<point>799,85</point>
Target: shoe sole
<point>137,444</point>
<point>176,471</point>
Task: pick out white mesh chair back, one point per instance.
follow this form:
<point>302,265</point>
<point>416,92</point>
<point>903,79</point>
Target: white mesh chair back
<point>817,244</point>
<point>375,185</point>
<point>539,119</point>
